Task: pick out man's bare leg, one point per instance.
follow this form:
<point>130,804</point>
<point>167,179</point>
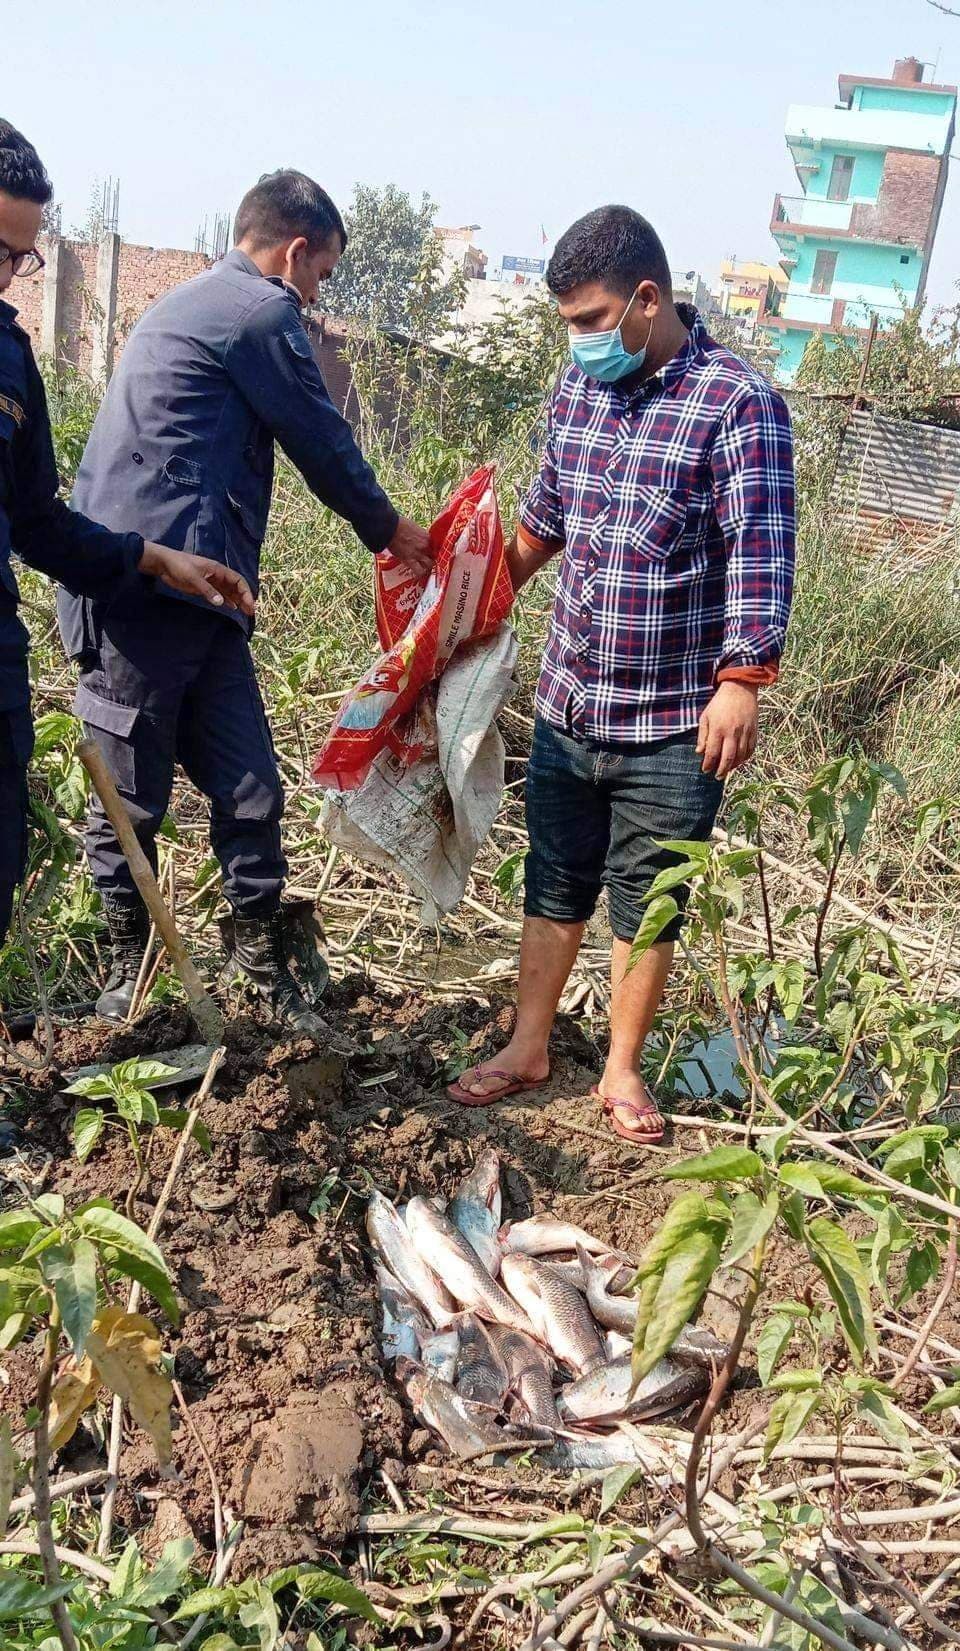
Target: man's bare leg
<point>548,952</point>
<point>636,997</point>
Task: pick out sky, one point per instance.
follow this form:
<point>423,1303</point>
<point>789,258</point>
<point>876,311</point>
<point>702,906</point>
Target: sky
<point>510,115</point>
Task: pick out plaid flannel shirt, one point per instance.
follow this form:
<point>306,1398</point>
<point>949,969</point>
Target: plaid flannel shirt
<point>672,499</point>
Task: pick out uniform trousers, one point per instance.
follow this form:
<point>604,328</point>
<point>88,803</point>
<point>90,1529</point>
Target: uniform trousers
<point>173,683</point>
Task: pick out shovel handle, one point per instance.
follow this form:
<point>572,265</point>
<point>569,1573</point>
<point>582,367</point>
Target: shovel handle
<point>205,1012</point>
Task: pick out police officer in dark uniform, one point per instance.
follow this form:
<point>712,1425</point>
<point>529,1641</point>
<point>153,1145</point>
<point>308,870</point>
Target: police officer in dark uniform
<point>37,526</point>
<point>183,448</point>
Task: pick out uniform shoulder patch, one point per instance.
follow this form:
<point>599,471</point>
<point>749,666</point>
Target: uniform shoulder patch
<point>12,408</point>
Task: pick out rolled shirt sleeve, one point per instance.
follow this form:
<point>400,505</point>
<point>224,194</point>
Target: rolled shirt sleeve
<point>753,490</point>
<point>272,364</point>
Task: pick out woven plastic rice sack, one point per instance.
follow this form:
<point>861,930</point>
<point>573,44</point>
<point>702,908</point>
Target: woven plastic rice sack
<point>413,765</point>
<point>467,595</point>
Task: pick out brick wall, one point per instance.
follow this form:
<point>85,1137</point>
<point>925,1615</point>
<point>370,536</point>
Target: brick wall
<point>78,279</point>
<point>906,206</point>
<point>78,262</point>
<point>144,274</point>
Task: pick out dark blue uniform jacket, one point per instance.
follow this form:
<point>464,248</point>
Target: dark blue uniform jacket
<point>182,447</point>
<point>35,523</point>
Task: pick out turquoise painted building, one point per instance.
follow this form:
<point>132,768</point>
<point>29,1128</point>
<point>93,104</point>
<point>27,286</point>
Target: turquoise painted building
<point>856,241</point>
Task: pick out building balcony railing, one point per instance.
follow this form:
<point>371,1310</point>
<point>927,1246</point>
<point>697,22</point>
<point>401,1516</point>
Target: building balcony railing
<point>824,309</point>
<point>811,212</point>
<point>808,306</point>
<point>795,216</point>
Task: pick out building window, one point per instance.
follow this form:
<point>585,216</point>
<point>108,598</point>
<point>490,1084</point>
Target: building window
<point>824,269</point>
<point>841,174</point>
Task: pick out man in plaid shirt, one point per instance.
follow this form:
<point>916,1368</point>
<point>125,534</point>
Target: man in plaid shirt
<point>666,486</point>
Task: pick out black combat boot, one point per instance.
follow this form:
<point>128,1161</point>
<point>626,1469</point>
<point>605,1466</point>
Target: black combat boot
<point>129,930</point>
<point>256,948</point>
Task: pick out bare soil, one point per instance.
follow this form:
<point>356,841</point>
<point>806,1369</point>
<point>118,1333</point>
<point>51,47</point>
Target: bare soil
<point>277,1352</point>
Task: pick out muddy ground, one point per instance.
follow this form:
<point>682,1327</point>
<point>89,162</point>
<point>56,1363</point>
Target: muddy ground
<point>277,1353</point>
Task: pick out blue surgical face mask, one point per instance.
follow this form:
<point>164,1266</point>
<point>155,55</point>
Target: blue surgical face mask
<point>602,354</point>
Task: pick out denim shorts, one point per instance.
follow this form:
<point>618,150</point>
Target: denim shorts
<point>594,816</point>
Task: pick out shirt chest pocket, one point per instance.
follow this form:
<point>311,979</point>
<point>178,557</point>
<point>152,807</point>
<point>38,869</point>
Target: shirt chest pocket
<point>665,522</point>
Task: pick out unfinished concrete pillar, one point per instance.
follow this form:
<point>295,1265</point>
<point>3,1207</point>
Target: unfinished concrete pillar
<point>50,313</point>
<point>108,261</point>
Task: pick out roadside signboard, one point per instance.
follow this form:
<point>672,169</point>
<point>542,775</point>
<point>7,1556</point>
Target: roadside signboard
<point>525,266</point>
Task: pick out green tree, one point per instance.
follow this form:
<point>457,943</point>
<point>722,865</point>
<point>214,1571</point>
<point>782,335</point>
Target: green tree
<point>913,372</point>
<point>390,274</point>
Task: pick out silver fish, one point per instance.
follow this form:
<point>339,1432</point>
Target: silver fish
<point>392,1241</point>
<point>481,1374</point>
<point>556,1309</point>
<point>454,1260</point>
<point>434,1199</point>
<point>404,1325</point>
<point>613,1312</point>
<point>693,1347</point>
<point>439,1350</point>
<point>604,1395</point>
<point>475,1209</point>
<point>572,1270</point>
<point>467,1429</point>
<point>699,1349</point>
<point>530,1370</point>
<point>545,1235</point>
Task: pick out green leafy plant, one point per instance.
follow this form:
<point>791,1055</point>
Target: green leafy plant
<point>251,1613</point>
<point>59,1270</point>
<point>133,1109</point>
<point>508,877</point>
<point>852,1036</point>
<point>128,1087</point>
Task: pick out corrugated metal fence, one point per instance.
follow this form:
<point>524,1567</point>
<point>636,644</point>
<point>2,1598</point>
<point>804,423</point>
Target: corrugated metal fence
<point>892,470</point>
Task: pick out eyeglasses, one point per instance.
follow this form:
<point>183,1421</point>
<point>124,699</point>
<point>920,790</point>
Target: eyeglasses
<point>24,263</point>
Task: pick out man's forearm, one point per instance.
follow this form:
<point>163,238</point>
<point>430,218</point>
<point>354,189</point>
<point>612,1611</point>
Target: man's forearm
<point>524,559</point>
<point>87,558</point>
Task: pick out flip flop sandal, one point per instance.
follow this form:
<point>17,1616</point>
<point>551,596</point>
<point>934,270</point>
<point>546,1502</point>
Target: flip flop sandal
<point>648,1138</point>
<point>510,1084</point>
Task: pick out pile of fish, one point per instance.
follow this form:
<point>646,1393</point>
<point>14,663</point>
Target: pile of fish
<point>518,1335</point>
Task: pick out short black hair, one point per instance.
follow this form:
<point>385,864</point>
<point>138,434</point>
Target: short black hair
<point>22,171</point>
<point>612,245</point>
<point>283,205</point>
